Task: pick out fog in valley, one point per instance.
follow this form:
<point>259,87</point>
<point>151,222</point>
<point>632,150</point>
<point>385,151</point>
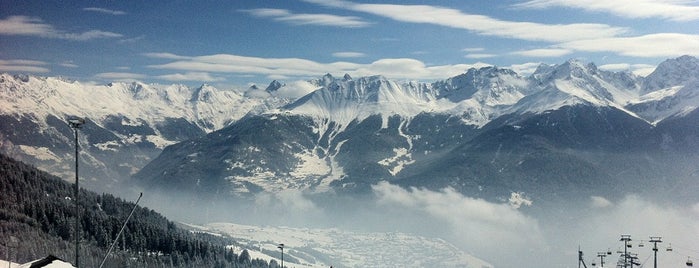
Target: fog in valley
<point>514,232</point>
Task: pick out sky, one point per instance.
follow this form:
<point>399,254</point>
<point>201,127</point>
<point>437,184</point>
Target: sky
<point>244,42</point>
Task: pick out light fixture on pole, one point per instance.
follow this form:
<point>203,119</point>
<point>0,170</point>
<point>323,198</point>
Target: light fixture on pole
<point>281,246</point>
<point>76,123</point>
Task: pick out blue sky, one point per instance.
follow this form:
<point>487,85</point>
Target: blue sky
<point>242,42</point>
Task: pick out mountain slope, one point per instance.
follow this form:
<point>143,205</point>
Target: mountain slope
<point>36,208</point>
<point>487,132</point>
<point>127,124</point>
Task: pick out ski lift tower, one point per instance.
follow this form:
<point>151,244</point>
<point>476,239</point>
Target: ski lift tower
<point>655,240</point>
<point>626,239</point>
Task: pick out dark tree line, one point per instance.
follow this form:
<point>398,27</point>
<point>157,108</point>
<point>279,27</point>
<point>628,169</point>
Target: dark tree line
<point>37,216</point>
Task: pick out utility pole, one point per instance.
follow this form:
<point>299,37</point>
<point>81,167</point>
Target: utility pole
<point>75,124</point>
<point>580,258</point>
<point>655,240</point>
<point>626,239</point>
<point>601,256</point>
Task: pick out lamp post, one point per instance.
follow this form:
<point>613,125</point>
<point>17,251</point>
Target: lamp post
<point>76,123</point>
<point>281,246</point>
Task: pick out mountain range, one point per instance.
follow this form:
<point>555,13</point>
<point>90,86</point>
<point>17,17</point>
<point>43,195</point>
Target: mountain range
<point>566,130</point>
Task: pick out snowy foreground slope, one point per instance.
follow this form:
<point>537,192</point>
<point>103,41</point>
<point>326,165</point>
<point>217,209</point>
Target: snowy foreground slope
<point>340,248</point>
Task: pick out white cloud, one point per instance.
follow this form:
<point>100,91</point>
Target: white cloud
<point>637,69</point>
<point>284,15</point>
<point>92,34</point>
<point>490,224</point>
<point>643,69</point>
<point>120,76</point>
<point>69,64</point>
<point>277,77</point>
<point>668,9</point>
<point>600,202</point>
<point>473,49</point>
<point>525,69</point>
<point>295,89</point>
<point>403,68</point>
<point>165,55</point>
<point>615,67</point>
<point>105,11</point>
<point>348,54</point>
<point>481,24</point>
<point>651,45</point>
<point>28,26</point>
<point>190,76</point>
<point>543,52</point>
<point>26,66</point>
<point>480,56</point>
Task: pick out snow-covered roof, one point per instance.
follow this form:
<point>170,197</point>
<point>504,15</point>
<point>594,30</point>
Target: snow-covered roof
<point>49,261</point>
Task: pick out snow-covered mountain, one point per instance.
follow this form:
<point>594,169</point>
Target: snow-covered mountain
<point>127,123</point>
<point>488,132</point>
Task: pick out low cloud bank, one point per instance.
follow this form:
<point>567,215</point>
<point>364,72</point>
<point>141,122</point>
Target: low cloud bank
<point>510,233</point>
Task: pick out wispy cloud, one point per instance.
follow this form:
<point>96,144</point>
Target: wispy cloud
<point>480,24</point>
<point>651,45</point>
<point>567,38</point>
<point>105,11</point>
<point>190,76</point>
<point>29,26</point>
<point>473,49</point>
<point>676,10</point>
<point>69,64</point>
<point>401,68</point>
<point>27,66</point>
<point>117,76</point>
<point>348,54</point>
<point>284,15</point>
<point>637,69</point>
<point>525,69</point>
<point>480,55</point>
<point>543,52</point>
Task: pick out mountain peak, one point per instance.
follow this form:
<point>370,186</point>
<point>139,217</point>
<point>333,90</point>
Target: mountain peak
<point>202,93</point>
<point>274,86</point>
<point>672,72</point>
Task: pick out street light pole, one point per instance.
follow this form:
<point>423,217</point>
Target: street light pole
<point>76,123</point>
<point>281,246</point>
